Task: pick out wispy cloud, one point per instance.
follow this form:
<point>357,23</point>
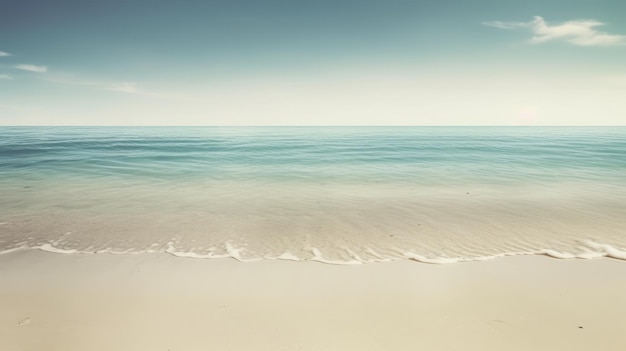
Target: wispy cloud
<point>32,68</point>
<point>5,77</point>
<point>125,87</point>
<point>122,87</point>
<point>577,32</point>
<point>128,87</point>
<point>2,54</point>
<point>136,89</point>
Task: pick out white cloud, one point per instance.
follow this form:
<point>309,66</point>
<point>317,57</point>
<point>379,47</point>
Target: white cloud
<point>577,32</point>
<point>5,77</point>
<point>2,54</point>
<point>505,25</point>
<point>122,87</point>
<point>32,68</point>
<point>125,87</point>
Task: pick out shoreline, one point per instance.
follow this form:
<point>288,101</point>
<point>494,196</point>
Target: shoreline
<point>604,251</point>
<point>158,302</point>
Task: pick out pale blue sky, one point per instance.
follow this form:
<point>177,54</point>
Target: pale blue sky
<point>312,62</point>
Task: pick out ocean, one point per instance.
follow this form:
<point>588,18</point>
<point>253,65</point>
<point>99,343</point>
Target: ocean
<point>343,195</point>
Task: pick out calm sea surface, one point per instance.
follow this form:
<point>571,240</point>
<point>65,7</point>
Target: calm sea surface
<point>331,194</point>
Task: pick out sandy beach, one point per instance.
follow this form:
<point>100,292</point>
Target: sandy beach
<point>312,175</point>
<point>160,302</point>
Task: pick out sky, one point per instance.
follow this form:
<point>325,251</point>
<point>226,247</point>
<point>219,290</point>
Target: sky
<point>322,62</point>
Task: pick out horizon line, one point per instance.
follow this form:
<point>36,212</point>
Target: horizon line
<point>310,126</point>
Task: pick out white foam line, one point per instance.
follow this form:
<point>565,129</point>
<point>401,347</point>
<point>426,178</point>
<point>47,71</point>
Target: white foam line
<point>191,254</point>
<point>609,250</point>
<point>231,252</point>
<point>172,251</point>
<point>317,256</point>
<point>110,251</point>
<point>590,251</point>
<point>287,256</point>
<point>18,248</point>
<point>441,260</point>
<point>50,248</point>
<point>588,254</point>
<point>556,254</point>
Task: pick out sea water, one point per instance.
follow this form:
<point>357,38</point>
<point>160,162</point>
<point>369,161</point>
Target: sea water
<point>331,194</point>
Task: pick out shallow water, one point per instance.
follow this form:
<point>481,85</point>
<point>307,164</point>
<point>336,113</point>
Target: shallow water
<point>332,194</point>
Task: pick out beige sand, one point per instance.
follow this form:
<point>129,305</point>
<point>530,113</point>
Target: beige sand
<point>159,302</point>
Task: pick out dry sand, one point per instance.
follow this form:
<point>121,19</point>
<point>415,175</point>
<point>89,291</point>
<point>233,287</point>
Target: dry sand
<point>160,302</point>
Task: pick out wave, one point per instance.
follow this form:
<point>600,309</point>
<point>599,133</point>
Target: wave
<point>591,250</point>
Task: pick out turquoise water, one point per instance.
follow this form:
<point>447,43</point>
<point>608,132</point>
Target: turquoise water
<point>334,194</point>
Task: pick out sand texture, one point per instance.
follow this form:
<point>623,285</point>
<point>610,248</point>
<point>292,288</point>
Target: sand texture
<point>160,302</point>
